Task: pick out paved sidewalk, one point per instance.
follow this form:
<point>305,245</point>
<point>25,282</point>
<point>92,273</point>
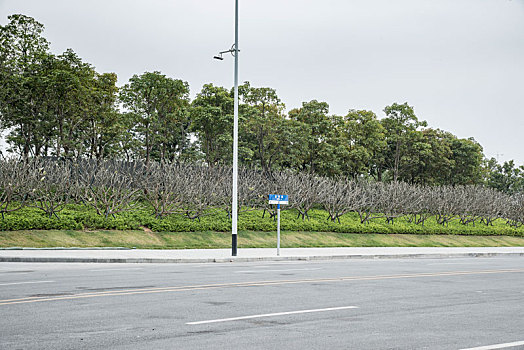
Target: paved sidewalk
<point>244,255</point>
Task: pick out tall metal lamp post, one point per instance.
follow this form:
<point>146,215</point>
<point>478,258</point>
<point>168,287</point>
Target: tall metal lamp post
<point>234,51</point>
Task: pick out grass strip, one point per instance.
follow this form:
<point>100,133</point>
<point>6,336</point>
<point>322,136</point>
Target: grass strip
<point>247,239</point>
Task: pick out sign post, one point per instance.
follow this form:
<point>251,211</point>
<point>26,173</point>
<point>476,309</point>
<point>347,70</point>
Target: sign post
<point>278,199</point>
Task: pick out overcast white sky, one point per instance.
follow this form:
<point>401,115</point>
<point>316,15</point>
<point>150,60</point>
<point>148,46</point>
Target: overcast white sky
<point>459,62</point>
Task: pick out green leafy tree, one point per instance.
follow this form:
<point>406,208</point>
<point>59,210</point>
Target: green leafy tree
<point>70,87</point>
<point>314,124</point>
<point>467,162</point>
<point>401,126</point>
<point>159,105</point>
<point>105,125</point>
<point>23,53</point>
<point>293,134</point>
<point>333,151</point>
<point>364,140</point>
<point>263,129</point>
<point>212,122</point>
<point>430,158</point>
<point>506,177</point>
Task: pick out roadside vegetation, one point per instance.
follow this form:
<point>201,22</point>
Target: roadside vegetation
<point>166,197</point>
<point>85,154</point>
<point>45,194</point>
<point>246,239</point>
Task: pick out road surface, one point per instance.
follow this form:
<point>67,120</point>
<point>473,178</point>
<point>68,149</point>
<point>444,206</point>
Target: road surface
<point>466,303</point>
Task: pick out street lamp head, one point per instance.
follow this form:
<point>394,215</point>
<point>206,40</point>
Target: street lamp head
<point>220,58</point>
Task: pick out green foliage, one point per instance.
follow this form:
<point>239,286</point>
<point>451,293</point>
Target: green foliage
<point>263,130</point>
<point>402,139</point>
<point>212,121</point>
<point>363,139</point>
<point>23,57</point>
<point>467,162</point>
<point>507,177</point>
<point>159,110</point>
<point>53,104</point>
<point>79,217</point>
<point>314,126</point>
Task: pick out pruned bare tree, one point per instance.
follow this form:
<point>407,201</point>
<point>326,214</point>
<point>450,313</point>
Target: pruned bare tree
<point>14,189</point>
<point>515,212</point>
<point>340,197</point>
<point>443,204</point>
<point>52,185</point>
<point>305,189</point>
<point>368,201</point>
<point>394,200</point>
<point>417,206</point>
<point>110,187</point>
<point>492,205</point>
<point>163,188</point>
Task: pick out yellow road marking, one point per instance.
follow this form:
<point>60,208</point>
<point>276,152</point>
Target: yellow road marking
<point>247,284</point>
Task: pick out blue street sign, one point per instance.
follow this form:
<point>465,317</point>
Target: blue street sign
<point>278,199</point>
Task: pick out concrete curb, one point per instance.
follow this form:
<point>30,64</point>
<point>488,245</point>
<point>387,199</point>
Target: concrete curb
<point>251,259</point>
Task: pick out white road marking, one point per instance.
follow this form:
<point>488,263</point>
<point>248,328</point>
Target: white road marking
<point>497,346</point>
<point>280,270</point>
<point>454,263</point>
<point>273,314</point>
<point>28,282</point>
<point>122,269</point>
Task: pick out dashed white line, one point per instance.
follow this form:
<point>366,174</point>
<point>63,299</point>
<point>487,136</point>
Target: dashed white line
<point>454,263</point>
<point>273,315</point>
<point>279,270</point>
<point>28,282</point>
<point>497,346</point>
<point>121,269</point>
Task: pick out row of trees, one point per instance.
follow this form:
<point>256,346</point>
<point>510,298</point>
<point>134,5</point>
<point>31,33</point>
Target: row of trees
<point>111,187</point>
<point>60,106</point>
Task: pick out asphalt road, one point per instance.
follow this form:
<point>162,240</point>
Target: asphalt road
<point>345,304</point>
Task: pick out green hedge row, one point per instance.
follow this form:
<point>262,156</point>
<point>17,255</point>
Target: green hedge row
<point>78,217</point>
